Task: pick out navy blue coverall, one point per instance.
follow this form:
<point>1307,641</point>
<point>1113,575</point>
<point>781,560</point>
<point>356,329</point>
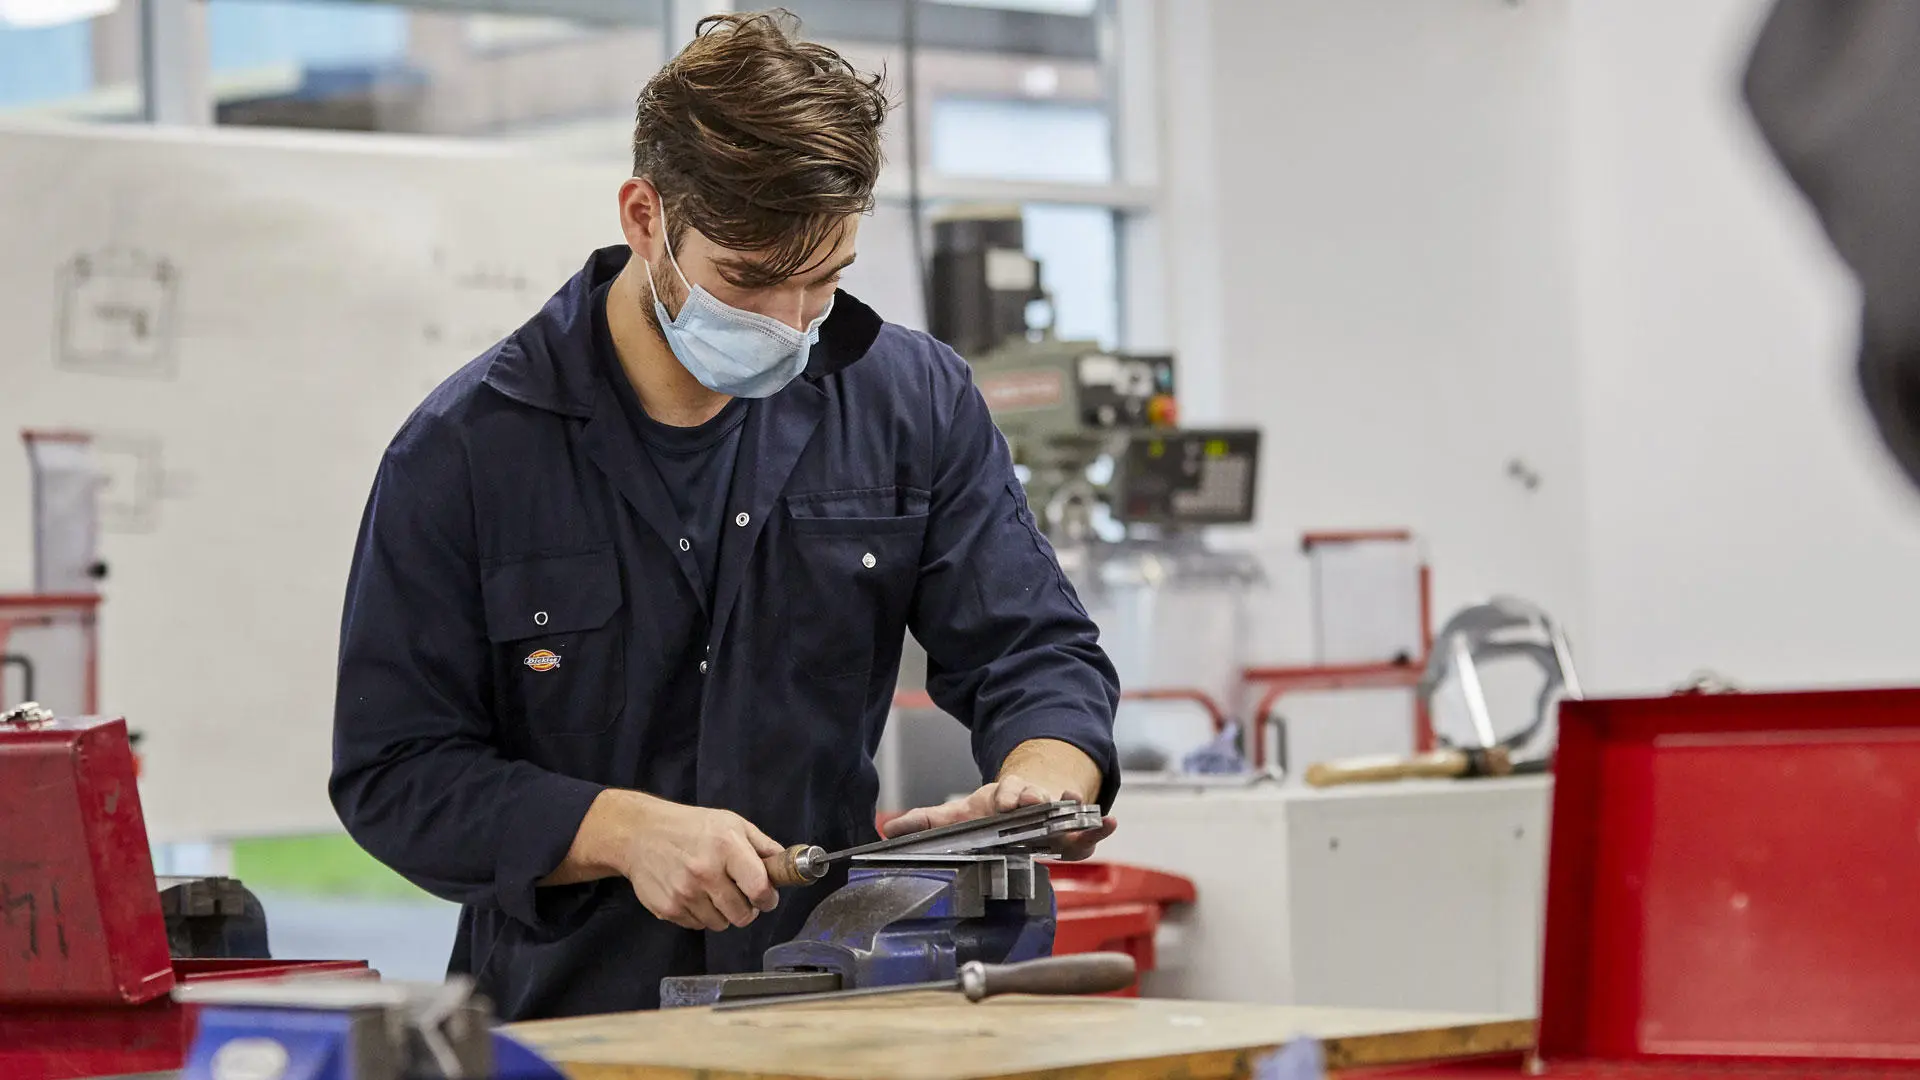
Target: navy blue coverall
<point>523,629</point>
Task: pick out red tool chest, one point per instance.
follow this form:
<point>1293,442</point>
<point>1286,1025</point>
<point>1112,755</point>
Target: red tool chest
<point>1733,888</point>
<point>71,837</point>
<point>84,964</point>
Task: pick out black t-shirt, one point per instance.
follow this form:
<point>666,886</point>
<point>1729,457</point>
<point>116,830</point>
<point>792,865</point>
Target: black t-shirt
<point>695,463</point>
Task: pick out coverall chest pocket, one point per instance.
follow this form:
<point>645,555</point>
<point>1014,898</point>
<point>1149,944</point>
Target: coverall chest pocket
<point>559,649</point>
<point>854,560</point>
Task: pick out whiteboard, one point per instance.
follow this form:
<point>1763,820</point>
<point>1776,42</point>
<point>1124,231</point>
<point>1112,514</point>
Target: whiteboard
<point>245,319</point>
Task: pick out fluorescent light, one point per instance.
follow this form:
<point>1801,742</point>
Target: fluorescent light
<point>29,14</point>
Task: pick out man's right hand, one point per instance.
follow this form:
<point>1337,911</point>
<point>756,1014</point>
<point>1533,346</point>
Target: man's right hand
<point>694,867</point>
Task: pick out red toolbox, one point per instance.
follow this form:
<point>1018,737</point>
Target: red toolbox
<point>1111,907</point>
<point>84,964</point>
<point>1733,889</point>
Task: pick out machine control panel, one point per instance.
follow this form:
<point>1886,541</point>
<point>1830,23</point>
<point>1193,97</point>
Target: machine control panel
<point>1119,391</point>
<point>1191,477</point>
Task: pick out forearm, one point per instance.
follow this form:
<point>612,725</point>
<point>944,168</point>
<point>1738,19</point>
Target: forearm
<point>1056,766</point>
<point>605,835</point>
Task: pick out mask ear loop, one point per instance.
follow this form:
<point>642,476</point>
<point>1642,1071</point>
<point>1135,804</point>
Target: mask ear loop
<point>666,236</point>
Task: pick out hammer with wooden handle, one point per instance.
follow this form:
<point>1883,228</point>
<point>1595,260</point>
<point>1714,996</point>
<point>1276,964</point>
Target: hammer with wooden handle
<point>1442,764</point>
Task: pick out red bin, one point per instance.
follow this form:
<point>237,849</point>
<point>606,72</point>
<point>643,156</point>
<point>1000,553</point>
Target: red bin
<point>1112,907</point>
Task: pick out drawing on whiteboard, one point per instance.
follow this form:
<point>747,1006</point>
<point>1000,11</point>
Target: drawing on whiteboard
<point>116,314</point>
<point>483,300</point>
<point>135,480</point>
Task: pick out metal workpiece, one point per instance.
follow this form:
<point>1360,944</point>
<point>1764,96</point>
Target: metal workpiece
<point>1028,830</point>
<point>979,877</point>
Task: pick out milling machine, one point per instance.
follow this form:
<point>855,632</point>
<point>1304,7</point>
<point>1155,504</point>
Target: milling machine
<point>1096,431</point>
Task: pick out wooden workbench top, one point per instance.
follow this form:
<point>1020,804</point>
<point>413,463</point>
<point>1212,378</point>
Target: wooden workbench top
<point>939,1036</point>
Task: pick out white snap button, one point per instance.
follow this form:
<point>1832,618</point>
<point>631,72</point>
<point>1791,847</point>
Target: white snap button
<point>868,560</point>
<point>703,667</point>
<point>685,544</point>
<point>741,519</point>
<point>539,618</point>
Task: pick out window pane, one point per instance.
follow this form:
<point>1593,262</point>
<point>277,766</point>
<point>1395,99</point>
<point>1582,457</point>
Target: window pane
<point>45,63</point>
<point>70,59</point>
<point>428,70</point>
<point>1060,29</point>
<point>1077,253</point>
<point>1022,140</point>
<point>263,33</point>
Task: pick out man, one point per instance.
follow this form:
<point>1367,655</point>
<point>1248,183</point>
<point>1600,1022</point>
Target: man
<point>628,601</point>
<point>1835,88</point>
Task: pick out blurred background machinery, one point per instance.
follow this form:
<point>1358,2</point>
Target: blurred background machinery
<point>1095,432</point>
<point>49,638</point>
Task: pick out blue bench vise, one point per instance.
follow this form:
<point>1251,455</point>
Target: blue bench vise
<point>913,910</point>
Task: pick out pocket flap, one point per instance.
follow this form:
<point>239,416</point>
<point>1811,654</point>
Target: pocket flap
<point>560,594</point>
<point>860,512</point>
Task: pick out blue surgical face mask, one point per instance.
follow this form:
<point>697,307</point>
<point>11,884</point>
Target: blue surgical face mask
<point>730,351</point>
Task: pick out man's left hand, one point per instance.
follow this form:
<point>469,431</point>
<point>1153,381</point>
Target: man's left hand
<point>1010,792</point>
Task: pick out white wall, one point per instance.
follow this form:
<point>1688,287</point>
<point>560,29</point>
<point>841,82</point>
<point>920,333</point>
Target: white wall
<point>1426,238</point>
<point>1741,514</point>
<point>1379,202</point>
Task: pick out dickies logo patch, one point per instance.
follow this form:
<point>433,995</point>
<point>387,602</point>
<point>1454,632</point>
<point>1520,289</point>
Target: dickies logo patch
<point>542,660</point>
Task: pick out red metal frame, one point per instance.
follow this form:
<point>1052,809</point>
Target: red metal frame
<point>1281,681</point>
<point>1351,536</point>
<point>88,607</point>
<point>49,600</point>
<point>1199,697</point>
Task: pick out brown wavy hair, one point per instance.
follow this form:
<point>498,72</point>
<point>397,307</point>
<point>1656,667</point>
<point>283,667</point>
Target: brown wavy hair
<point>761,141</point>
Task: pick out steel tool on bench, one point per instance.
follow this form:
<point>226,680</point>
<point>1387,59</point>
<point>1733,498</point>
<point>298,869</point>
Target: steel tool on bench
<point>1083,973</point>
<point>914,910</point>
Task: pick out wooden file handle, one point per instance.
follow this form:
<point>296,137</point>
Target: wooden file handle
<point>1442,764</point>
<point>1079,973</point>
<point>789,869</point>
